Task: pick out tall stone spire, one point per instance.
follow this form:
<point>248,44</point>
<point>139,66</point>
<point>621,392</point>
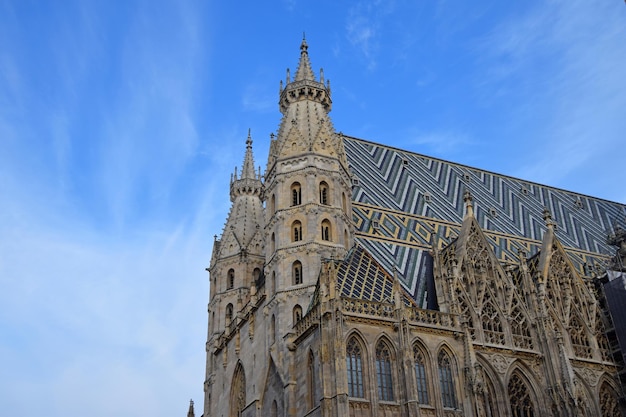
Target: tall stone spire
<point>304,71</point>
<point>247,170</point>
<point>190,412</point>
<point>304,86</point>
<point>248,182</point>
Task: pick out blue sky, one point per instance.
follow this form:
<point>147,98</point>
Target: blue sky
<point>120,123</point>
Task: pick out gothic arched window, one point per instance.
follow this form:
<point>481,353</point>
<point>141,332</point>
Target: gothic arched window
<point>609,406</point>
<point>345,238</point>
<point>256,274</point>
<point>238,392</point>
<point>230,283</point>
<point>383,372</point>
<point>421,377</point>
<point>297,314</point>
<point>324,193</point>
<point>296,231</point>
<point>273,243</point>
<point>272,204</point>
<point>519,397</point>
<point>274,410</point>
<point>344,206</point>
<point>446,380</point>
<point>296,272</point>
<point>273,284</point>
<point>296,194</point>
<point>354,365</point>
<point>326,230</point>
<point>273,330</point>
<point>229,313</point>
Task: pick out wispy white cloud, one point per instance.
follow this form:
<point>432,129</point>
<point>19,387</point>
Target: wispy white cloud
<point>439,143</point>
<point>571,52</point>
<point>364,24</point>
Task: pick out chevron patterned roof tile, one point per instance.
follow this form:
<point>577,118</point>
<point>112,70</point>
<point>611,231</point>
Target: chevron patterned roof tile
<point>392,189</point>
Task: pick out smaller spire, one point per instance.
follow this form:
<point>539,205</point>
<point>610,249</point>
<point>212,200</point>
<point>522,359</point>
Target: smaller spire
<point>469,206</point>
<point>191,413</point>
<point>304,71</point>
<point>247,170</point>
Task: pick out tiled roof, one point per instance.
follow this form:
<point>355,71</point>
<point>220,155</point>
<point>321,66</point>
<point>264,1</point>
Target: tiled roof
<point>404,202</point>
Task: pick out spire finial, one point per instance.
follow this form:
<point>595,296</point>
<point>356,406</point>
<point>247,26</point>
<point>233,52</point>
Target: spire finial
<point>249,140</point>
<point>191,412</point>
<point>547,217</point>
<point>303,46</point>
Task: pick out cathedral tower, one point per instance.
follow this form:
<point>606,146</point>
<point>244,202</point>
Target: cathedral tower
<point>236,263</point>
<point>308,191</point>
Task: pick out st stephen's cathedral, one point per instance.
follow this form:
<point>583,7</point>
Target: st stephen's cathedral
<point>357,279</point>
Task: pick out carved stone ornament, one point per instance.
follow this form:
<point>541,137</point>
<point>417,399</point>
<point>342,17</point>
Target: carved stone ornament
<point>500,363</point>
<point>590,376</point>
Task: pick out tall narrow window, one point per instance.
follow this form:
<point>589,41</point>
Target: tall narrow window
<point>446,380</point>
<point>272,204</point>
<point>296,194</point>
<point>519,397</point>
<point>273,243</point>
<point>344,206</point>
<point>238,392</point>
<point>297,314</point>
<point>273,330</point>
<point>420,375</point>
<point>273,287</point>
<point>231,279</point>
<point>256,274</point>
<point>296,270</point>
<point>296,231</point>
<point>324,193</point>
<point>229,314</point>
<point>326,231</point>
<point>274,410</point>
<point>354,365</point>
<point>383,372</point>
<point>310,381</point>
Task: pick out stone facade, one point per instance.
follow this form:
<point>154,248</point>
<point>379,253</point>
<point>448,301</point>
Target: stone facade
<point>305,321</point>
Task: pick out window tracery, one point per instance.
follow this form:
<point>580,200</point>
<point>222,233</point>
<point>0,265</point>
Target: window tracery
<point>609,406</point>
<point>383,372</point>
<point>446,380</point>
<point>492,327</point>
<point>354,365</point>
<point>521,331</point>
<point>519,398</point>
<point>421,376</point>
